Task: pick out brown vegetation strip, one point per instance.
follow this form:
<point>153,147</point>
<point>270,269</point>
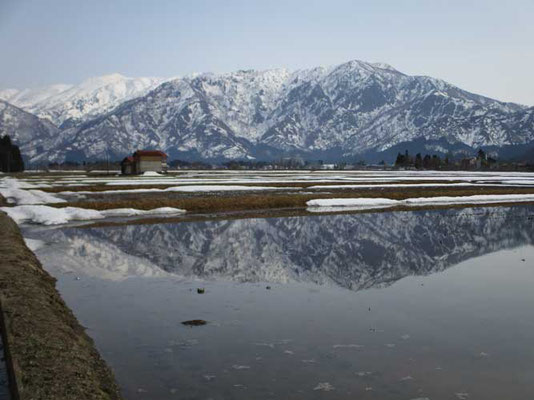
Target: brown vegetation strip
<point>103,187</point>
<point>53,358</point>
<point>221,202</point>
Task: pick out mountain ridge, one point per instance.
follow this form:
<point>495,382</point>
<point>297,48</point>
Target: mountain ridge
<point>356,251</point>
<point>94,96</point>
<point>355,109</point>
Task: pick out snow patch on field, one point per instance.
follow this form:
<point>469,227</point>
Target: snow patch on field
<point>130,212</point>
<point>223,188</point>
<point>476,199</point>
<point>330,205</point>
<point>391,185</point>
<point>17,192</point>
<point>45,215</point>
<point>520,182</point>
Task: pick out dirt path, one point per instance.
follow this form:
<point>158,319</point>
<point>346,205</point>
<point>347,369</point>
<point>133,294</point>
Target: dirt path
<point>52,356</point>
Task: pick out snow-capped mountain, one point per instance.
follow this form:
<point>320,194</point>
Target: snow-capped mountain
<point>71,104</point>
<point>348,111</point>
<point>354,251</point>
<point>28,98</point>
<point>33,134</point>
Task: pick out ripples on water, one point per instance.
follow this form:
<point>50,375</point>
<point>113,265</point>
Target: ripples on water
<point>428,304</point>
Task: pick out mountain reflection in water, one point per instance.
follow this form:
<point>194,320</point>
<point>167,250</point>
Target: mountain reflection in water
<point>353,251</point>
<point>463,333</point>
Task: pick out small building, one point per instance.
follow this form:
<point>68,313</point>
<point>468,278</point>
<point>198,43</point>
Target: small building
<point>127,166</point>
<point>144,161</point>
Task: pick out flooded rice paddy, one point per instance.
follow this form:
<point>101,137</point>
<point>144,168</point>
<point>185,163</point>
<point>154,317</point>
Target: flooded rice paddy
<point>393,305</point>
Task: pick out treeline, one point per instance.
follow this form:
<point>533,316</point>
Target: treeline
<point>10,157</point>
<point>189,164</point>
<point>419,162</point>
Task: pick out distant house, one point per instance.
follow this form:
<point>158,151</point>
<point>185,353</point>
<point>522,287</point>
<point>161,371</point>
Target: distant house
<point>144,161</point>
<point>328,166</point>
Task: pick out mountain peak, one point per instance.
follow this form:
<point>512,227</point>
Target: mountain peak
<point>89,98</point>
<point>382,65</point>
<point>343,111</point>
<point>368,67</point>
<point>103,80</point>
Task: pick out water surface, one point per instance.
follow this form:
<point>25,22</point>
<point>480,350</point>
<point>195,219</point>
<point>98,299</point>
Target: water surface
<point>395,305</point>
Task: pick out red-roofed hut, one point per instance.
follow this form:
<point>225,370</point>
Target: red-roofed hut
<point>144,161</point>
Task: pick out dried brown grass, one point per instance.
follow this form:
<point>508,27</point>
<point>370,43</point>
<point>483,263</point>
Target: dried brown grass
<point>253,201</point>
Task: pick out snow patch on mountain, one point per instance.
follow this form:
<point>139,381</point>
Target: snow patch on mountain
<point>32,134</point>
<point>74,103</point>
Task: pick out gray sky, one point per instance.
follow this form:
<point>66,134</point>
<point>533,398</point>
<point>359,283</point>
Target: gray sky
<point>486,47</point>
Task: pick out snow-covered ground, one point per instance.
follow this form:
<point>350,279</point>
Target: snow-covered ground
<point>29,200</point>
<point>18,191</point>
<point>324,205</point>
<point>29,206</point>
<point>46,215</point>
<point>218,177</point>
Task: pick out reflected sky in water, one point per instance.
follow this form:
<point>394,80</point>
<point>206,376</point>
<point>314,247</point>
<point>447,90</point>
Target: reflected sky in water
<point>403,305</point>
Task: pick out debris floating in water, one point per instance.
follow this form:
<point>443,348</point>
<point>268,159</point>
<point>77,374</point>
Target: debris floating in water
<point>194,322</point>
<point>348,346</point>
<point>236,366</point>
<point>201,290</point>
<point>271,345</point>
<point>324,386</point>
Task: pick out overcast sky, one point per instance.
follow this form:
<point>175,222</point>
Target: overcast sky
<point>486,47</point>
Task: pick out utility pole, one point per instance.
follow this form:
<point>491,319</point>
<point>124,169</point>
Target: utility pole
<point>107,160</point>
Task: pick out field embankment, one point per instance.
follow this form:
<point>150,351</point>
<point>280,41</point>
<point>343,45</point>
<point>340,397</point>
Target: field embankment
<point>51,355</point>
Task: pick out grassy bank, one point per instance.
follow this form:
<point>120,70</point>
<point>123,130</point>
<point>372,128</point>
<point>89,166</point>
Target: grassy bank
<point>52,356</point>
